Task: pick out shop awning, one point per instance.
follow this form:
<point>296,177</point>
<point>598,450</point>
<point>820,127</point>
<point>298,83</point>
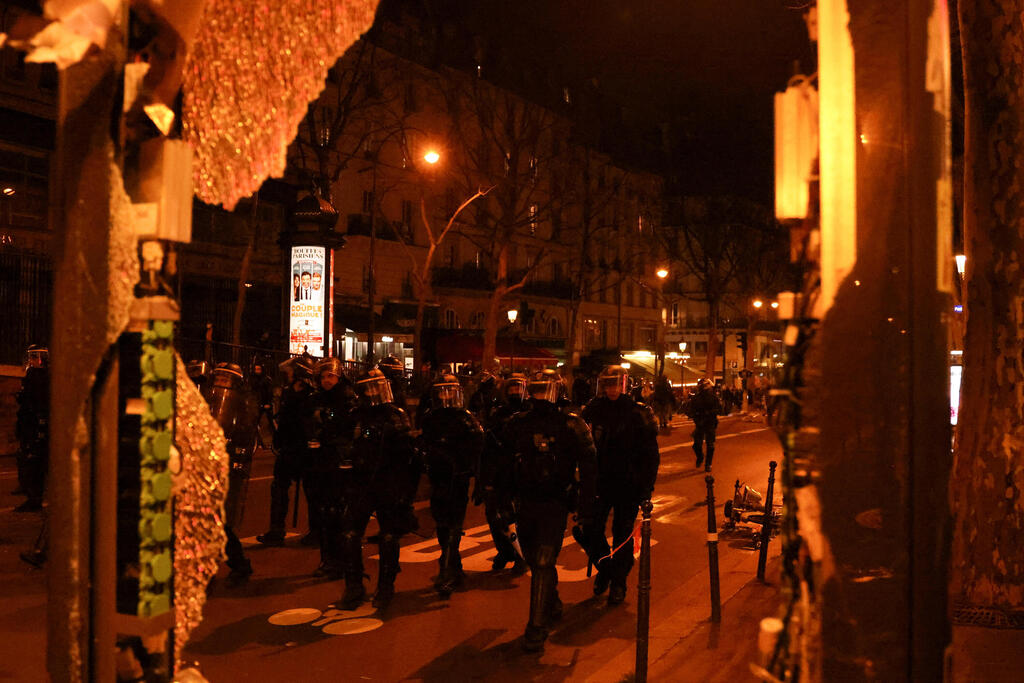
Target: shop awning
<point>461,348</point>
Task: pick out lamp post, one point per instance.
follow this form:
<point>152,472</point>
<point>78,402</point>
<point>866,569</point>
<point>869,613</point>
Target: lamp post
<point>512,315</point>
<point>659,361</point>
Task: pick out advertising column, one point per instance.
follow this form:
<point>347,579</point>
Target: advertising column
<point>311,301</point>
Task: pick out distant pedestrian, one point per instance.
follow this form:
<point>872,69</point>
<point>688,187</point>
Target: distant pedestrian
<point>703,408</point>
<point>33,428</point>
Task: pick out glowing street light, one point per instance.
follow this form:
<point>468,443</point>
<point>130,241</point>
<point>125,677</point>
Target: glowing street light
<point>961,262</point>
<point>661,273</point>
<point>758,303</point>
<point>8,191</point>
<point>512,315</point>
<point>775,304</point>
<point>432,157</point>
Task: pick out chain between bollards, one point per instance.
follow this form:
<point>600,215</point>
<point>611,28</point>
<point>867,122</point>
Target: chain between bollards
<point>766,525</point>
<point>643,595</point>
<point>716,598</point>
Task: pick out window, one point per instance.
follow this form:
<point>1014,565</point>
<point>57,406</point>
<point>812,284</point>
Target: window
<point>367,202</point>
<point>407,289</point>
<point>476,321</point>
<point>566,95</point>
<point>554,329</point>
<point>639,222</point>
<point>409,99</point>
<point>479,71</point>
<point>508,163</point>
<point>700,347</point>
<point>451,255</point>
<point>533,219</point>
<point>630,301</point>
<point>674,318</point>
<point>478,259</point>
<point>451,319</point>
<point>534,164</point>
<point>407,212</point>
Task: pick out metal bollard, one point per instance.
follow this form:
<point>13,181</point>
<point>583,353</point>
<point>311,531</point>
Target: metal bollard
<point>766,525</point>
<point>716,598</point>
<point>643,595</point>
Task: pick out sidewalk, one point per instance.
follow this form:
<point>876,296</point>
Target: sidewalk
<point>723,652</point>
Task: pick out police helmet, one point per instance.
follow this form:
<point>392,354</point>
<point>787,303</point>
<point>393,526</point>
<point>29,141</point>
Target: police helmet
<point>391,367</point>
<point>514,388</point>
<point>546,385</point>
<point>197,370</point>
<point>329,365</point>
<point>227,375</point>
<point>703,384</point>
<point>446,392</point>
<point>374,389</point>
<point>613,376</point>
<point>37,356</point>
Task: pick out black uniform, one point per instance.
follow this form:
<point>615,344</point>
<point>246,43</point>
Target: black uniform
<point>451,441</point>
<point>548,447</point>
<point>263,388</point>
<point>485,400</point>
<point>494,482</point>
<point>703,408</point>
<point>291,444</point>
<point>330,432</point>
<point>33,431</point>
<point>626,438</point>
<point>385,471</point>
<point>236,409</point>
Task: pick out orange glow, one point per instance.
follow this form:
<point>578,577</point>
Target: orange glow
<point>432,157</point>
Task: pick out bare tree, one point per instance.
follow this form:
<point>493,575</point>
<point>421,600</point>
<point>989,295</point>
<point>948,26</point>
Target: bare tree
<point>500,140</point>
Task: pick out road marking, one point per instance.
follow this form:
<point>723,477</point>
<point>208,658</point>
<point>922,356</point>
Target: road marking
<point>675,446</point>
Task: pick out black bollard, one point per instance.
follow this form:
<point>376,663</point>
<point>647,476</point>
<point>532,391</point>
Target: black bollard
<point>716,598</point>
<point>766,525</point>
<point>643,595</point>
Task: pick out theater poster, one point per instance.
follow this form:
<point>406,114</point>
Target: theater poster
<point>309,296</point>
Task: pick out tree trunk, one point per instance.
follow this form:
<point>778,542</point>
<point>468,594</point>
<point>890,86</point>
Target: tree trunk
<point>709,366</point>
<point>243,277</point>
<point>490,341</point>
<point>988,567</point>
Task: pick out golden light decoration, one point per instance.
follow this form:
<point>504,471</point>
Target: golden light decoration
<point>250,76</point>
<point>199,493</point>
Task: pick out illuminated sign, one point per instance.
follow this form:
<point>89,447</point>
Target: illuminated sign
<point>309,294</point>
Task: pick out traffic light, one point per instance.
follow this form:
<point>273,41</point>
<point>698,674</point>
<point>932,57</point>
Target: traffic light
<point>741,341</point>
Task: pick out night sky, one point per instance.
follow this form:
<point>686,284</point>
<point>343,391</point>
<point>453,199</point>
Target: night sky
<point>708,66</point>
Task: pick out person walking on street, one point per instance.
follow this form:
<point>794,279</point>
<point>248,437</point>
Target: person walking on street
<point>291,446</point>
<point>703,408</point>
<point>329,431</point>
<point>555,469</point>
<point>626,438</point>
<point>494,477</point>
<point>32,428</point>
<point>384,470</point>
<point>451,442</point>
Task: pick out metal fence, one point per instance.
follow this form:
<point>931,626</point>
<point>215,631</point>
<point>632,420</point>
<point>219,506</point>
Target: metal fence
<point>26,303</point>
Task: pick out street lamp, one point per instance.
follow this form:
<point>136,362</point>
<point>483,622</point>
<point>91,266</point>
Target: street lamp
<point>512,314</point>
<point>431,157</point>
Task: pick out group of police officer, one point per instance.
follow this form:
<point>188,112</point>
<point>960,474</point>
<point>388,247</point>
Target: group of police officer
<point>348,442</point>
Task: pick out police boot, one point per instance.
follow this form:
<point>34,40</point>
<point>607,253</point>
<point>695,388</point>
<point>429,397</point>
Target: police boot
<point>711,452</point>
<point>352,554</point>
<point>278,514</point>
<point>543,585</point>
<point>617,592</point>
<point>388,570</point>
<point>451,574</point>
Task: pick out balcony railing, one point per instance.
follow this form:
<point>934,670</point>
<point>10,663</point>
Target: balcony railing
<point>466,277</point>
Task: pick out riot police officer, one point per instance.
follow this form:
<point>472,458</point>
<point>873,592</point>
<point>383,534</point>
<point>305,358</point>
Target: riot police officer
<point>486,399</point>
<point>548,447</point>
<point>451,440</point>
<point>32,428</point>
<point>260,383</point>
<point>703,408</point>
<point>494,477</point>
<point>236,408</point>
<point>626,437</point>
<point>291,447</point>
<point>330,434</point>
<point>395,372</point>
<point>384,472</point>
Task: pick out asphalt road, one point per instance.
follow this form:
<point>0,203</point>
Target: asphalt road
<point>282,625</point>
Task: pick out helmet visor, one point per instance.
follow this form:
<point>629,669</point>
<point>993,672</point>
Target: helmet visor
<point>447,395</point>
<point>544,389</point>
<point>515,388</point>
<point>615,382</point>
<point>375,391</point>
